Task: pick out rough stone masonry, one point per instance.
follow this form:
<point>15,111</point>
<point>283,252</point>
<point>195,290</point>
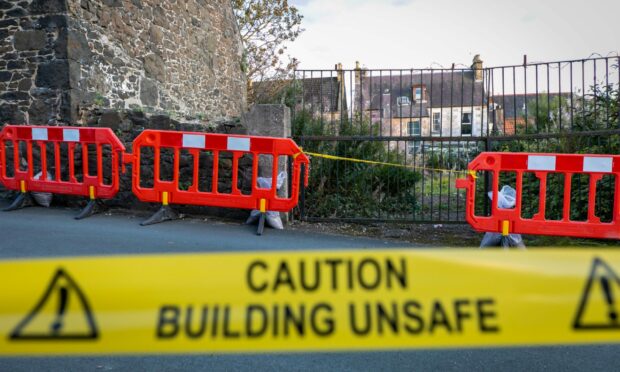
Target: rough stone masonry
<point>60,57</point>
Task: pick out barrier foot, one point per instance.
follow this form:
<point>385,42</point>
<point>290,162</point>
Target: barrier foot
<point>93,206</point>
<point>165,213</point>
<point>261,224</point>
<point>23,200</point>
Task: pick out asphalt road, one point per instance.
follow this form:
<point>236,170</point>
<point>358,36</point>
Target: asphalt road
<point>38,232</point>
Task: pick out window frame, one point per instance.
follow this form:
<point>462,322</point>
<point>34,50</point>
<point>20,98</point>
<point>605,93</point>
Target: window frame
<point>463,117</point>
<point>410,126</point>
<point>433,129</point>
<point>411,145</point>
<point>399,101</point>
<point>422,89</point>
<point>469,125</point>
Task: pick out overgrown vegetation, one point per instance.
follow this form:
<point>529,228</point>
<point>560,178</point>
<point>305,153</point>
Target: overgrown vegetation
<point>596,111</point>
<point>348,189</point>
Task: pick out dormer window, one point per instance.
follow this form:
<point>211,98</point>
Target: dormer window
<point>419,92</point>
<point>403,101</point>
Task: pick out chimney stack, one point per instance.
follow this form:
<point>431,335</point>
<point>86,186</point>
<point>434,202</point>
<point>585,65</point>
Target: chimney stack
<point>339,72</point>
<point>477,67</point>
<point>341,80</point>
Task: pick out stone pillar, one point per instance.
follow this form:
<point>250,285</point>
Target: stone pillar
<point>271,121</point>
<point>268,120</point>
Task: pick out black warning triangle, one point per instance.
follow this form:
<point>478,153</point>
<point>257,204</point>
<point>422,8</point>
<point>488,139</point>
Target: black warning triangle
<point>598,308</point>
<point>62,302</point>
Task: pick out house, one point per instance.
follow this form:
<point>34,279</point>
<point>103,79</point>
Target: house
<point>515,110</point>
<point>320,93</point>
<point>425,103</point>
<point>324,94</point>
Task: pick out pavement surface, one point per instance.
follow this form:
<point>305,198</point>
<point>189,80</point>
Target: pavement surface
<point>39,232</point>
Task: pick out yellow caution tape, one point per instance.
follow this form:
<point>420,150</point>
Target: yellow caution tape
<point>308,301</point>
<point>415,167</point>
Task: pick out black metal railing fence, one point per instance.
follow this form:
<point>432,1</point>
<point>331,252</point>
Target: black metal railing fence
<point>431,122</point>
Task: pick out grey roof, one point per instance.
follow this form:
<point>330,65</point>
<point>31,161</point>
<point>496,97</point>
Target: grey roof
<point>410,111</point>
<point>452,88</point>
<point>321,94</point>
<point>514,104</point>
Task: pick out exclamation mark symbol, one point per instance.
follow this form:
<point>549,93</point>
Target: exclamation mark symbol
<point>613,315</point>
<point>62,306</point>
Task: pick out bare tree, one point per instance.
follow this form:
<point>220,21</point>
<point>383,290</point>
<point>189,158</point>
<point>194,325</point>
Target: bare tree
<point>266,27</point>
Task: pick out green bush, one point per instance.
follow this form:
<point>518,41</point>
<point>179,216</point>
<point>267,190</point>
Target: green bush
<point>346,189</point>
<point>594,112</point>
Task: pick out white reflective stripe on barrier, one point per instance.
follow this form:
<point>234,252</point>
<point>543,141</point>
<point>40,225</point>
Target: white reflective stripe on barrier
<point>194,141</point>
<point>238,144</point>
<point>71,135</point>
<point>596,164</point>
<point>541,163</point>
<point>39,134</point>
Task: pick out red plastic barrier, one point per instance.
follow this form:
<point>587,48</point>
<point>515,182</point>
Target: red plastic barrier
<point>18,142</point>
<point>508,221</point>
<point>169,191</point>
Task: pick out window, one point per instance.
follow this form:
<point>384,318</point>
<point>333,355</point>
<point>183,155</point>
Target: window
<point>413,129</point>
<point>466,123</point>
<point>401,101</point>
<point>418,93</point>
<point>436,122</point>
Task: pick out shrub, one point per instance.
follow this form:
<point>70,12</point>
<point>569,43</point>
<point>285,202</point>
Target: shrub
<point>340,188</point>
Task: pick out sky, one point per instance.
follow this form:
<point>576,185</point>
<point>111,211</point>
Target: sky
<point>423,33</point>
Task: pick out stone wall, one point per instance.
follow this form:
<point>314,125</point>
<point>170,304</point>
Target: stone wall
<point>34,73</point>
<point>180,55</point>
<point>58,57</point>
